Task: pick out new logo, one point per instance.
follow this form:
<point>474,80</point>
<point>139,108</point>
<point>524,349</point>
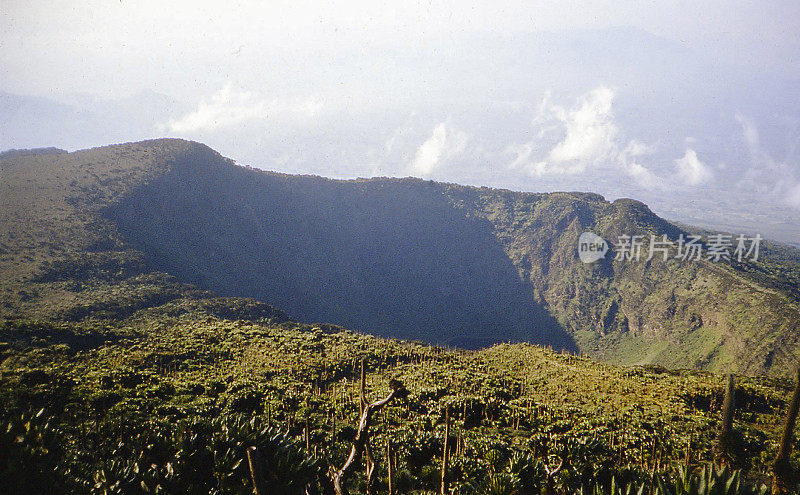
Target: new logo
<point>591,247</point>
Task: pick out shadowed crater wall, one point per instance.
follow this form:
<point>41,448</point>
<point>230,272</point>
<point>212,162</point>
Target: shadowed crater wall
<point>393,257</point>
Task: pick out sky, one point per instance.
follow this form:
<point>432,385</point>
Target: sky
<point>691,107</point>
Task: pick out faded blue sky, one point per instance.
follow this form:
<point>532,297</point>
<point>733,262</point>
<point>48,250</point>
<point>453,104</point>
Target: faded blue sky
<point>691,107</point>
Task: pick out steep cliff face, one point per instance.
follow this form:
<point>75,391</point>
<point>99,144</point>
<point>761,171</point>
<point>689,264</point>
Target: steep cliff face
<point>392,257</point>
<point>677,313</point>
<point>406,258</point>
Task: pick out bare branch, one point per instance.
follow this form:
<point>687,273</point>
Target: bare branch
<point>361,440</point>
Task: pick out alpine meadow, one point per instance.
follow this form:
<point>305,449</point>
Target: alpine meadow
<point>385,248</point>
<point>140,354</point>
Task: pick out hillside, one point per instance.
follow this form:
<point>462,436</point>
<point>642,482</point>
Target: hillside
<point>168,399</point>
<point>129,366</point>
<point>403,258</point>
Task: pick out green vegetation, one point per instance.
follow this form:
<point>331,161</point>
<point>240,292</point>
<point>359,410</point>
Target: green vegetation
<point>176,403</point>
<point>400,258</point>
<point>116,376</point>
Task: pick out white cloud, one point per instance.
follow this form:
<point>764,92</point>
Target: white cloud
<point>750,133</point>
<point>590,140</point>
<point>793,196</point>
<point>524,152</point>
<point>442,146</point>
<point>230,106</point>
<point>772,178</point>
<point>640,174</point>
<point>693,171</point>
<point>589,134</point>
<point>590,130</point>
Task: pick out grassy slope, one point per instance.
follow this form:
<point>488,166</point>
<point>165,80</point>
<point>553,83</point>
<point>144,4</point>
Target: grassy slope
<point>182,361</point>
<point>111,348</point>
<point>463,265</point>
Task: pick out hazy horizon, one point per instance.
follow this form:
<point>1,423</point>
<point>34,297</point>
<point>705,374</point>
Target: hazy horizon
<point>691,109</point>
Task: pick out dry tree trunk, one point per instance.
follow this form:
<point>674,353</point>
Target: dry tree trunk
<point>361,440</point>
<point>725,448</point>
<point>782,469</point>
<point>338,477</point>
<point>371,467</point>
<point>445,449</point>
<point>307,435</point>
<point>549,485</point>
<point>389,464</point>
<point>256,472</point>
<point>729,404</point>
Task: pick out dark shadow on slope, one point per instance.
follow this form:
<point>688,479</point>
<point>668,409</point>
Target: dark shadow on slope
<point>390,257</point>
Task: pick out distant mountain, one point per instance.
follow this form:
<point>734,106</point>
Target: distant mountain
<point>668,97</point>
<point>13,153</point>
<point>79,121</point>
<point>405,258</point>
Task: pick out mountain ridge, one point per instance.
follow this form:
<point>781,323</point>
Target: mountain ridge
<point>405,257</point>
